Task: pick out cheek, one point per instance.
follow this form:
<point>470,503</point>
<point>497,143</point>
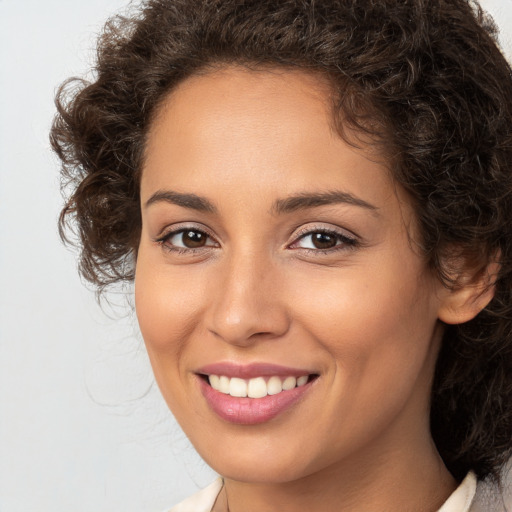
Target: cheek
<point>377,325</point>
<point>167,306</point>
<point>378,331</point>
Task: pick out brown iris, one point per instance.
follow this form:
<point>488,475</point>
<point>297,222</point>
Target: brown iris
<point>194,239</point>
<point>323,240</point>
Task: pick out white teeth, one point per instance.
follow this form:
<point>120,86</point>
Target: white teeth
<point>238,387</point>
<point>302,380</point>
<point>289,383</point>
<point>214,381</point>
<point>274,385</point>
<point>224,385</point>
<point>257,387</point>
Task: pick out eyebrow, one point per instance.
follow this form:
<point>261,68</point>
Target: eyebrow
<point>191,201</point>
<point>305,200</point>
<point>301,201</point>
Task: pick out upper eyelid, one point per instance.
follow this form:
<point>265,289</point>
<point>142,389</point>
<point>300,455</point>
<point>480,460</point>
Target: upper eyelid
<point>173,229</point>
<point>308,230</point>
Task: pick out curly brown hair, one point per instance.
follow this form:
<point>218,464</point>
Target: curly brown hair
<point>423,78</point>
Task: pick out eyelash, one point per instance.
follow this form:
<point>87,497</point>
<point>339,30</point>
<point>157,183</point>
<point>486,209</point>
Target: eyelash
<point>346,242</point>
<point>164,239</point>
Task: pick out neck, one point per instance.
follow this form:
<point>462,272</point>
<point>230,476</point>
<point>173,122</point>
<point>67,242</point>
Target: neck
<point>373,488</point>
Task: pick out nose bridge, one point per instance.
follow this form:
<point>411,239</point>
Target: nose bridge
<point>246,300</point>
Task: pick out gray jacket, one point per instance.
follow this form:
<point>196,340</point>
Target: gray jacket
<point>489,498</point>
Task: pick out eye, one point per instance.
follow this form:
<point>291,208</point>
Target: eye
<point>186,239</point>
<point>191,239</point>
<point>319,241</point>
<point>323,240</point>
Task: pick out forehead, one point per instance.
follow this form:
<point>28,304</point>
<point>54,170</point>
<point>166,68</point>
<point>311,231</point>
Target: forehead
<point>263,103</point>
<point>266,131</point>
<point>252,83</point>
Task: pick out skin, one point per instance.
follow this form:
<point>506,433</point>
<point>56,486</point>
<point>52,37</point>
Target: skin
<point>362,315</point>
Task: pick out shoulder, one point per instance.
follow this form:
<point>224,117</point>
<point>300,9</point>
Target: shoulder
<point>477,496</point>
<point>202,501</point>
<point>490,497</point>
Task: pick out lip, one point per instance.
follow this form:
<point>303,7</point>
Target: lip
<point>250,371</point>
<point>251,411</point>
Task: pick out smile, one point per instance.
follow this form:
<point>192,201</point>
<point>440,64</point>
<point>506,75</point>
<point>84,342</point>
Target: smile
<point>253,394</point>
<point>257,387</point>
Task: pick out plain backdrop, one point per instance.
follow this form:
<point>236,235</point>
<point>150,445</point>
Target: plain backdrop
<point>82,425</point>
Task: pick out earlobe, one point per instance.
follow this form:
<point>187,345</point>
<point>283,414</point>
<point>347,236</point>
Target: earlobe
<point>469,296</point>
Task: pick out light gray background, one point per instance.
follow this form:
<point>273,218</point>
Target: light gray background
<point>82,426</point>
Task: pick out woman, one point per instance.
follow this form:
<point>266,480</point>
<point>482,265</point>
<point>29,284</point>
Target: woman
<point>314,201</point>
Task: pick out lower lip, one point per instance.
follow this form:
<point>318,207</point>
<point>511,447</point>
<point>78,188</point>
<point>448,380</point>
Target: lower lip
<point>251,411</point>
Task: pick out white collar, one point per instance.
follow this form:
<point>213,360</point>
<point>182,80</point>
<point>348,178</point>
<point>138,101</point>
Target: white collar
<point>461,499</point>
<point>202,501</point>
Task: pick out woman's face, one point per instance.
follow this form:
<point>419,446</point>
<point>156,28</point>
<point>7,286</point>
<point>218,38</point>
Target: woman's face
<point>271,250</point>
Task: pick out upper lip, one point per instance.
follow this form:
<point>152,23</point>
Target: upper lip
<point>249,371</point>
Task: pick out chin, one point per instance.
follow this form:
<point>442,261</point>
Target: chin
<point>262,463</point>
<point>261,472</point>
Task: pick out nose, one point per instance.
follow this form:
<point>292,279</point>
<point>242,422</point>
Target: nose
<point>247,302</point>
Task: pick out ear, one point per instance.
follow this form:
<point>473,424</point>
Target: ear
<point>471,293</point>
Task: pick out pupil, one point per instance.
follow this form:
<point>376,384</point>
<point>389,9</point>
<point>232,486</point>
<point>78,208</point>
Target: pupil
<point>193,239</point>
<point>323,241</point>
